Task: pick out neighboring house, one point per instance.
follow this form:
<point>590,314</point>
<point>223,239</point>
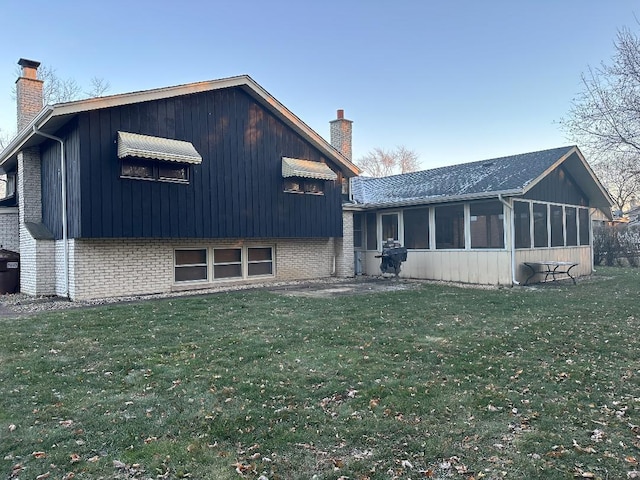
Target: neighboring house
<point>478,222</point>
<point>634,217</point>
<point>172,189</point>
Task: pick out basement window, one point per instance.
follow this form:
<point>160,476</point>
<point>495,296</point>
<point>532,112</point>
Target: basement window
<point>190,265</point>
<point>259,261</point>
<point>193,265</point>
<point>227,263</point>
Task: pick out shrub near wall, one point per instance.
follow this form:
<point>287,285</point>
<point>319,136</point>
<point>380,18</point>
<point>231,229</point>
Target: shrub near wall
<point>617,244</point>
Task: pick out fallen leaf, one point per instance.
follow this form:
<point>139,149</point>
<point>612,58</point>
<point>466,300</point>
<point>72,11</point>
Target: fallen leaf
<point>75,458</point>
<point>406,464</point>
<point>93,459</point>
<point>12,427</point>
<point>39,455</point>
<point>43,476</point>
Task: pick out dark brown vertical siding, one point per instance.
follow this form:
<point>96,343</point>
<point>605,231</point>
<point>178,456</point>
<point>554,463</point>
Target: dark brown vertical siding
<point>558,187</point>
<point>128,122</point>
<point>235,192</point>
<point>73,172</point>
<point>51,187</point>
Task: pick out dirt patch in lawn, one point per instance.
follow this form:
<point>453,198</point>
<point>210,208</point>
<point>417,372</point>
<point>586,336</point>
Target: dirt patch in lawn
<point>357,286</point>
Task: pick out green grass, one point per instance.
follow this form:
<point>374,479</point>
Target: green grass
<point>438,382</point>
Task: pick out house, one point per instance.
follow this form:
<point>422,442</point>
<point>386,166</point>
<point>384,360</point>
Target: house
<point>479,222</point>
<point>170,189</point>
<point>634,215</point>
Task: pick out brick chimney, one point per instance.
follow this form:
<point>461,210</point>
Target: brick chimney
<point>28,92</point>
<point>341,134</point>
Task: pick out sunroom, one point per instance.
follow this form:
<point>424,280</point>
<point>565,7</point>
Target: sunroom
<point>479,222</point>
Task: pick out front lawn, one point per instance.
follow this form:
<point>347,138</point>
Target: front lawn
<point>437,382</point>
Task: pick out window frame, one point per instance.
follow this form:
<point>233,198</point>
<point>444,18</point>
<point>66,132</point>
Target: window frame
<point>250,262</point>
<point>398,233</point>
<point>456,222</point>
<point>541,224</point>
<point>211,263</point>
<point>184,266</point>
<point>570,228</point>
<point>557,225</point>
<point>155,166</point>
<point>224,263</point>
<point>584,229</point>
<point>305,185</point>
<point>418,231</point>
<point>488,233</point>
<point>358,231</point>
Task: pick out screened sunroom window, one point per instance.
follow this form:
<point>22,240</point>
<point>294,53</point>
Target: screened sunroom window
<point>487,225</point>
<point>357,230</point>
<point>540,230</point>
<point>450,227</point>
<point>390,227</point>
<point>522,224</point>
<point>571,226</point>
<point>416,228</point>
<point>372,236</point>
<point>557,226</point>
<point>583,216</point>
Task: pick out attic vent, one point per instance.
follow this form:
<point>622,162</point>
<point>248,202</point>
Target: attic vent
<point>488,164</point>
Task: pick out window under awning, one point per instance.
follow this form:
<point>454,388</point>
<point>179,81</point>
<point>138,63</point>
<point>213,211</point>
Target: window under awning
<point>157,148</point>
<point>294,167</point>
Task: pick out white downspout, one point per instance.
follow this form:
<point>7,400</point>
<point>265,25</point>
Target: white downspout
<point>593,263</point>
<point>63,175</point>
<point>512,235</point>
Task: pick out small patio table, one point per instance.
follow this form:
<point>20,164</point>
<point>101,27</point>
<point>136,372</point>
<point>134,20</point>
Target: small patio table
<point>550,268</point>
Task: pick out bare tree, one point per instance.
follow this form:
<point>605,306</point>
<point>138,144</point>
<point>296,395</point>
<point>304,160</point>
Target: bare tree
<point>56,89</point>
<point>5,138</point>
<point>617,175</point>
<point>382,163</point>
<point>604,118</point>
<point>98,87</point>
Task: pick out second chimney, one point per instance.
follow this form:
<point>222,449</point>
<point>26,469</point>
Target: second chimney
<point>341,134</point>
<point>28,92</point>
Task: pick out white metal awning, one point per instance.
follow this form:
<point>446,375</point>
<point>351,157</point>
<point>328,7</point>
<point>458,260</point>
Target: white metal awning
<point>294,167</point>
<point>157,148</point>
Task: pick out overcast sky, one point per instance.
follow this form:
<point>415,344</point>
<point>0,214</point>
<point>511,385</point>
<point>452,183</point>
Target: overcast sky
<point>454,80</point>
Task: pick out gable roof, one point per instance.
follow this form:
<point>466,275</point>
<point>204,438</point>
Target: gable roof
<point>52,117</point>
<point>508,176</point>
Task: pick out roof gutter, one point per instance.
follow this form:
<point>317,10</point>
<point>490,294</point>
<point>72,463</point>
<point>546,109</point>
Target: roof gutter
<point>63,175</point>
<point>513,239</point>
<point>442,199</point>
<point>17,143</point>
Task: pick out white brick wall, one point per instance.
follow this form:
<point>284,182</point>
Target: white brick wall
<point>344,247</point>
<point>9,229</point>
<point>303,259</point>
<point>120,267</point>
<point>29,185</point>
<point>37,259</point>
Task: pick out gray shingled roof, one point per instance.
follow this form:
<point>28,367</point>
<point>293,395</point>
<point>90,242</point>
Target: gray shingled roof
<point>507,175</point>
